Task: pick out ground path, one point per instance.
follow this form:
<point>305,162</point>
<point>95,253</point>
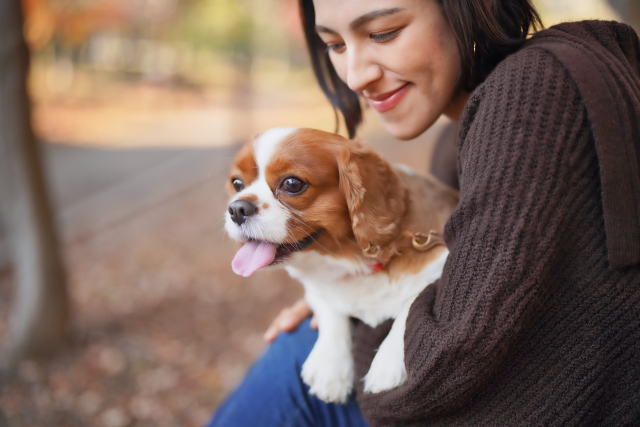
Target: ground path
<point>162,329</point>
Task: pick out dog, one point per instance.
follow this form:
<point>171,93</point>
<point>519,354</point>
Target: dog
<point>361,235</point>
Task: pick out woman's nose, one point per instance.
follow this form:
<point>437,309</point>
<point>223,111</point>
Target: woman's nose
<point>362,70</point>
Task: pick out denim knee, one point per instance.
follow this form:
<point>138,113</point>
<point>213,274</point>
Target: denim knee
<point>273,394</point>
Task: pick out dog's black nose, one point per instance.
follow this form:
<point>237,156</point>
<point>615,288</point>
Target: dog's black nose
<point>240,210</point>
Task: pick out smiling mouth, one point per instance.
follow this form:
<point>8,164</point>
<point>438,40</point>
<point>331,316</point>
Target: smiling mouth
<point>285,250</point>
<point>388,100</point>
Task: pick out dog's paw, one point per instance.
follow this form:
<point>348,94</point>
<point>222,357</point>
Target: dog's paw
<point>329,375</point>
<point>387,370</point>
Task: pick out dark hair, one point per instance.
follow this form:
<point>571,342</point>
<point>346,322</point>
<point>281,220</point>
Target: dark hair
<point>486,32</point>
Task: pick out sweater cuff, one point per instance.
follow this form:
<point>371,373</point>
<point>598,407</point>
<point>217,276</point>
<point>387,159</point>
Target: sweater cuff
<point>419,320</point>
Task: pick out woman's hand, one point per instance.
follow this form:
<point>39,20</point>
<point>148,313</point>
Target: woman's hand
<point>289,319</point>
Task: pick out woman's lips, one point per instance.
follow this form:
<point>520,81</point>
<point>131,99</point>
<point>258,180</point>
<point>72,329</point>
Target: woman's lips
<point>388,100</point>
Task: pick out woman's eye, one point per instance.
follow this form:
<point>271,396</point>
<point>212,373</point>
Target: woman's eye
<point>335,47</point>
<point>237,184</point>
<point>292,185</point>
<point>384,37</point>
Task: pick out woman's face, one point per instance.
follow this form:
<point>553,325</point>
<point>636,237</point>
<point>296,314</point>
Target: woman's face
<point>401,55</point>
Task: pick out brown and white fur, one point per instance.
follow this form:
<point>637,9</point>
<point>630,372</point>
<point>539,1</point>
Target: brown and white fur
<point>360,213</point>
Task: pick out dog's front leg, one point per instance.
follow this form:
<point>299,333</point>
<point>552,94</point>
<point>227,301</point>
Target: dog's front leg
<point>387,370</point>
<point>328,370</point>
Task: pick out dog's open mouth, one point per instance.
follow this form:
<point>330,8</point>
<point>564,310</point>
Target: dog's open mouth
<point>255,254</point>
<point>285,250</point>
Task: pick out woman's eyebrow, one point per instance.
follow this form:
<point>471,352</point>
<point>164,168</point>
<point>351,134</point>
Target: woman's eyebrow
<point>322,29</point>
<point>368,17</point>
<point>361,20</point>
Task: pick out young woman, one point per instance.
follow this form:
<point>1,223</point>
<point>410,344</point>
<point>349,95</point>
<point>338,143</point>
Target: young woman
<point>536,318</point>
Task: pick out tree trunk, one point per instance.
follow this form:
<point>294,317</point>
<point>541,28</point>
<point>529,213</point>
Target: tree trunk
<point>38,322</point>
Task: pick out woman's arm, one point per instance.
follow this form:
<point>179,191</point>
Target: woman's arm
<point>523,133</point>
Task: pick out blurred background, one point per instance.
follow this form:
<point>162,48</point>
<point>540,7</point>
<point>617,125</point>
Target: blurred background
<point>138,107</point>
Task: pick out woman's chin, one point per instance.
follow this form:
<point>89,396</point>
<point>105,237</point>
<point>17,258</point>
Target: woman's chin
<point>403,128</point>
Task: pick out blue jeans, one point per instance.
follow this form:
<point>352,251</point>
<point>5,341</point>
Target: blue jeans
<point>273,394</point>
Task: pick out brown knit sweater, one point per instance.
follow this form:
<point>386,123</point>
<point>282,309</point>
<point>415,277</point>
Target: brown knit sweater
<point>536,319</point>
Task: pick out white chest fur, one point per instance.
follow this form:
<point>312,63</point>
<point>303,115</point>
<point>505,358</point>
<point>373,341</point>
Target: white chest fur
<point>350,289</point>
<point>337,289</point>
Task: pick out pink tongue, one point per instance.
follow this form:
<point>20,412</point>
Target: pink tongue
<point>252,257</point>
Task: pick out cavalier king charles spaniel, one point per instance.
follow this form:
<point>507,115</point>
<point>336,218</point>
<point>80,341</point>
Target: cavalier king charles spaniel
<point>361,235</point>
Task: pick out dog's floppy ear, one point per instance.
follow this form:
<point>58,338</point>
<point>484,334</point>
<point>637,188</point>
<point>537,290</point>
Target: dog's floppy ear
<point>376,199</point>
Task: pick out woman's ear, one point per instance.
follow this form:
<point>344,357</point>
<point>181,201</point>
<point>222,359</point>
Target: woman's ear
<point>376,199</point>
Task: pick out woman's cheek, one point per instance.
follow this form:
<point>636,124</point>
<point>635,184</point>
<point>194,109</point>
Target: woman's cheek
<point>339,63</point>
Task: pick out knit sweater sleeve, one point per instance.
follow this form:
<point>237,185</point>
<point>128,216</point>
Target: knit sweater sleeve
<point>517,158</point>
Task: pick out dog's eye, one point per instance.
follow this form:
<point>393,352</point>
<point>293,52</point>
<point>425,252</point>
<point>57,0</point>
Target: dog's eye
<point>237,183</point>
<point>292,185</point>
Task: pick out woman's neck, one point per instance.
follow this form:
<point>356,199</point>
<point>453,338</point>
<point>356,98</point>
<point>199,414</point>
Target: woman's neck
<point>456,107</point>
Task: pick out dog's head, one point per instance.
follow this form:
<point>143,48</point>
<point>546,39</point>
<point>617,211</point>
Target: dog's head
<point>302,189</point>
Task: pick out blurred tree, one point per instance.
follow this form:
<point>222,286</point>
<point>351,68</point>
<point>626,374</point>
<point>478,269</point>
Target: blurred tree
<point>222,25</point>
<point>40,314</point>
